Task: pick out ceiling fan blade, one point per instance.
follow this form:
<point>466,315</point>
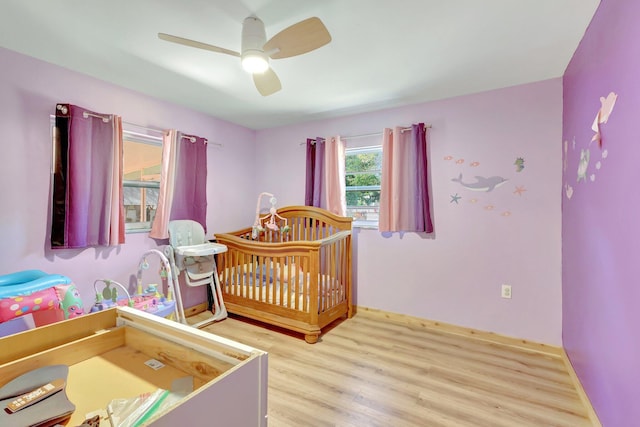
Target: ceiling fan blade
<point>199,45</point>
<point>297,39</point>
<point>267,83</point>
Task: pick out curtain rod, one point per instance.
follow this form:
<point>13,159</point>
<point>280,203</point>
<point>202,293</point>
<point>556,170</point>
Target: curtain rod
<point>189,137</point>
<point>365,135</point>
<point>105,119</point>
<point>142,127</point>
<point>142,135</point>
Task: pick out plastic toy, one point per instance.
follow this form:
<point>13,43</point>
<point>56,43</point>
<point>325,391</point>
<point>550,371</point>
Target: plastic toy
<point>39,294</point>
<point>70,301</point>
<point>150,300</point>
<point>28,281</point>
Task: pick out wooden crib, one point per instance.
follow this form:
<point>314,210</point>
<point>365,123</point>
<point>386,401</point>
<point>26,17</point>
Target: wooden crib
<point>299,279</point>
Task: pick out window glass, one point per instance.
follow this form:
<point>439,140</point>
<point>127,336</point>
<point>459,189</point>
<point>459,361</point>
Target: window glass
<point>141,180</point>
<point>363,171</point>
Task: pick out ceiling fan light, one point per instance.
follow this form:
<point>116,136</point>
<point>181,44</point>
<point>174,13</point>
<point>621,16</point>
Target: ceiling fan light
<point>255,62</point>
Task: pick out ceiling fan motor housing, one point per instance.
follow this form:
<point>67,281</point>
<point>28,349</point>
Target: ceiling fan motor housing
<point>254,37</point>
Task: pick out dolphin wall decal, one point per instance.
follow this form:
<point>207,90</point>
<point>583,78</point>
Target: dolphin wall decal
<point>482,183</point>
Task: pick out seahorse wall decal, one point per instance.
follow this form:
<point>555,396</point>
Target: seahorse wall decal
<point>519,163</point>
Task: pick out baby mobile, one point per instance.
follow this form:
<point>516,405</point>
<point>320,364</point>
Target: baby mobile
<point>269,221</point>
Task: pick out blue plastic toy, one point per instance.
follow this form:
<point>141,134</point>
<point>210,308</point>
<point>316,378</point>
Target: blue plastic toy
<point>28,281</point>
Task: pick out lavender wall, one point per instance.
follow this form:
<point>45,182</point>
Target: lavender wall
<point>483,240</point>
<point>600,228</point>
<point>29,90</point>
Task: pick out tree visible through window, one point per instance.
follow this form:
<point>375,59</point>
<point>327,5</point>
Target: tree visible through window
<point>363,170</point>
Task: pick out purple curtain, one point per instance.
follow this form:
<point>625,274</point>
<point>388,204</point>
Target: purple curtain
<point>190,188</point>
<point>404,191</point>
<point>314,188</point>
<point>423,220</point>
<point>87,203</point>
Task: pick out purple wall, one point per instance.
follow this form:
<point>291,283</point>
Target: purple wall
<point>600,227</point>
<point>29,90</point>
<point>484,240</point>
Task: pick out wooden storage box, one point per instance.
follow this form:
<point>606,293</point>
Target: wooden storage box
<point>106,354</point>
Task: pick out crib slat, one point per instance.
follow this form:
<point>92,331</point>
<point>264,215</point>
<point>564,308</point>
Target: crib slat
<point>332,275</point>
<point>296,283</point>
<point>343,268</point>
<point>280,281</point>
<point>250,284</point>
<point>235,272</point>
<point>305,284</point>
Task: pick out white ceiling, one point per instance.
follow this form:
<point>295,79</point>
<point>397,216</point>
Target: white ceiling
<point>384,53</point>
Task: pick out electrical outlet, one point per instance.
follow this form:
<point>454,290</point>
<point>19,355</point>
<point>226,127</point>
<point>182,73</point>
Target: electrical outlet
<point>506,291</point>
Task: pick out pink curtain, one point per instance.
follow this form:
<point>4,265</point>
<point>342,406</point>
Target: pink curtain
<point>160,226</point>
<point>404,193</point>
<point>117,193</point>
<point>334,176</point>
<point>87,202</point>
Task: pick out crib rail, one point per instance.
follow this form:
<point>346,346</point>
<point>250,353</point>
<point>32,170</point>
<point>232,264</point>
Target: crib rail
<point>306,223</point>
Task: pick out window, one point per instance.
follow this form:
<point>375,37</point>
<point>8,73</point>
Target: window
<point>363,170</point>
<point>141,180</point>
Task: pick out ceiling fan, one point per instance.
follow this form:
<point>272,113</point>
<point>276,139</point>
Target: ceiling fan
<point>303,37</point>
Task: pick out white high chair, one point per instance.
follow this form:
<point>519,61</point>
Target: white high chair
<point>194,257</point>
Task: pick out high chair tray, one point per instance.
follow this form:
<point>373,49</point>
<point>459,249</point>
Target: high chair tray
<point>121,353</point>
<point>204,249</point>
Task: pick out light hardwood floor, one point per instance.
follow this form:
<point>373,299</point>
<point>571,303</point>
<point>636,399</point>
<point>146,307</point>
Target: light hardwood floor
<point>366,371</point>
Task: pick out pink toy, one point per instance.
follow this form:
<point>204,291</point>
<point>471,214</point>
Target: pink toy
<point>17,306</point>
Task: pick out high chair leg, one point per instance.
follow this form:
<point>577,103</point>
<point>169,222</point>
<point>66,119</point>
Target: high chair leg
<point>218,310</point>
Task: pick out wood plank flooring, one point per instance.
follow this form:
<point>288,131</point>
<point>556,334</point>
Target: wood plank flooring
<point>369,372</point>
